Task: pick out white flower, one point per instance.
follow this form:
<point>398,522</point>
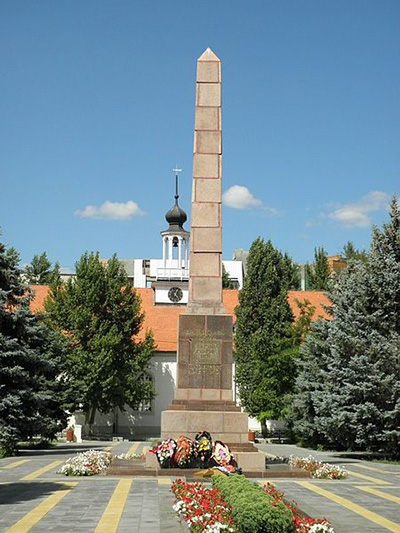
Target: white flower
<point>321,528</point>
<point>318,469</point>
<point>86,464</point>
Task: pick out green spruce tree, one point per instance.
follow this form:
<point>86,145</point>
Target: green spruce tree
<point>99,313</point>
<point>33,391</point>
<point>266,341</point>
<point>349,388</point>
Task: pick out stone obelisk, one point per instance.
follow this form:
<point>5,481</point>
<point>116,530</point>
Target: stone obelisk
<point>203,396</point>
<point>205,282</point>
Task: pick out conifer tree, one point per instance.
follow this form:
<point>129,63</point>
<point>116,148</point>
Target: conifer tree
<point>99,313</point>
<point>265,340</point>
<point>294,275</point>
<point>32,388</point>
<point>351,253</point>
<point>349,388</point>
<point>318,274</point>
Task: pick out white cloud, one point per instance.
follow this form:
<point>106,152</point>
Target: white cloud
<point>111,211</point>
<point>358,214</point>
<point>239,197</point>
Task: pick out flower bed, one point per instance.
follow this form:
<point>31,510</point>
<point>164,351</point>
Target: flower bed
<point>301,522</point>
<point>237,504</point>
<point>87,463</point>
<point>253,510</point>
<point>318,469</point>
<point>202,509</point>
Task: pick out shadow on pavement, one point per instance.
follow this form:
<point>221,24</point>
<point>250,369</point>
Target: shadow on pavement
<point>11,493</point>
<point>62,450</point>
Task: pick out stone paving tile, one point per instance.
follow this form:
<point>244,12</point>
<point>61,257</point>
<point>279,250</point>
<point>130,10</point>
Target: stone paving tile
<point>343,520</point>
<point>18,499</point>
<point>83,506</point>
<point>331,457</point>
<point>149,505</point>
<point>389,510</point>
<point>23,470</point>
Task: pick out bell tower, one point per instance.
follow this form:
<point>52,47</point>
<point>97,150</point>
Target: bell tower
<point>172,280</point>
<point>175,238</point>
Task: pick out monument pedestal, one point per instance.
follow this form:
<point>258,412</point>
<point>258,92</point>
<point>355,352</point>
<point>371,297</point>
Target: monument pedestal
<point>203,397</point>
<point>228,427</point>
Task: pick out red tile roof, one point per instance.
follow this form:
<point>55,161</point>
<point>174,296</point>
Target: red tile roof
<point>40,293</point>
<point>163,319</point>
<point>316,298</point>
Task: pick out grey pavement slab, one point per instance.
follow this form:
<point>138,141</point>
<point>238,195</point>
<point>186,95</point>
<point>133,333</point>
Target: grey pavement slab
<point>148,507</point>
<point>343,520</point>
<point>83,506</point>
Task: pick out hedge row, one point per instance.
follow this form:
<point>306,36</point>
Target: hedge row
<point>254,511</point>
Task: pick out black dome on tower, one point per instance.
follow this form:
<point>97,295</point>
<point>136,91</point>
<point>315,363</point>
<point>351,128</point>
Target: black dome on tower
<point>176,216</point>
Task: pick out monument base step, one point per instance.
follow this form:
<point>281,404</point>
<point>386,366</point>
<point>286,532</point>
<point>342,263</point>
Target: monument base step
<point>250,461</point>
<point>123,467</point>
<point>226,426</point>
<point>243,447</point>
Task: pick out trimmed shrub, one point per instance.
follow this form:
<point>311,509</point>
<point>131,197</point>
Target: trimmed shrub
<point>253,510</point>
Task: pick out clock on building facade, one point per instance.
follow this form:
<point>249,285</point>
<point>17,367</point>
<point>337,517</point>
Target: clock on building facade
<point>175,294</point>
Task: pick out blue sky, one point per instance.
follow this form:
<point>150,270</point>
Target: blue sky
<point>97,105</point>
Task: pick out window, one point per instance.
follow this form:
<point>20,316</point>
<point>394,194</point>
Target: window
<point>144,406</point>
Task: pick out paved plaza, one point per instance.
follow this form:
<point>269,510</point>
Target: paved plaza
<point>34,498</point>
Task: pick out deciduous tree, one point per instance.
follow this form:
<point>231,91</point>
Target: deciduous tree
<point>39,271</point>
<point>266,341</point>
<point>99,313</point>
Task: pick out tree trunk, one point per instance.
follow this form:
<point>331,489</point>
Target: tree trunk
<point>264,430</point>
<point>90,416</point>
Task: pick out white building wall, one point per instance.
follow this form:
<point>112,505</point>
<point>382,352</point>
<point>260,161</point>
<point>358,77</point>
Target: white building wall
<point>235,270</point>
<point>136,424</point>
<point>139,277</point>
<point>163,298</point>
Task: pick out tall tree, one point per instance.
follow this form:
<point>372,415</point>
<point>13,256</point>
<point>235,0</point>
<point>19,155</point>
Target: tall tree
<point>318,274</point>
<point>99,313</point>
<point>351,253</point>
<point>266,341</point>
<point>39,271</point>
<point>349,388</point>
<point>33,391</point>
<point>294,274</point>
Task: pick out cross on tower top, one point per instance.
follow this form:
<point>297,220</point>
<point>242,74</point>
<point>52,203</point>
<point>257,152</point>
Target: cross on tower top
<point>176,170</point>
